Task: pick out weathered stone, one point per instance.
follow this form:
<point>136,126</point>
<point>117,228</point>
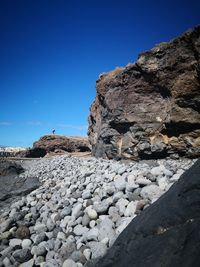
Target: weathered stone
<point>92,214</point>
<point>58,143</point>
<point>15,242</point>
<point>76,210</point>
<point>4,226</point>
<point>69,263</point>
<point>85,220</point>
<point>151,192</point>
<point>22,255</point>
<point>29,263</point>
<point>23,232</point>
<point>80,230</point>
<point>150,109</point>
<point>92,234</point>
<point>98,249</point>
<point>101,207</point>
<point>26,243</point>
<point>130,209</point>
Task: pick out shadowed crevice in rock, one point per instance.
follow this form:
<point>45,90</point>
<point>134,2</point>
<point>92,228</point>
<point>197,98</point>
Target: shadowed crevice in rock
<point>165,234</point>
<point>178,128</point>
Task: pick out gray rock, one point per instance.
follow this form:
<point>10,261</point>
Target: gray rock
<point>26,243</point>
<point>85,220</point>
<point>29,263</point>
<point>66,211</point>
<point>101,207</point>
<point>40,228</point>
<point>67,249</point>
<point>77,256</point>
<point>121,205</point>
<point>92,214</point>
<point>121,170</point>
<point>113,212</point>
<point>6,262</point>
<point>163,183</point>
<point>105,229</point>
<point>39,238</point>
<point>76,210</point>
<point>22,255</point>
<point>117,196</point>
<point>5,235</point>
<point>130,209</point>
<point>61,236</point>
<point>51,263</point>
<point>92,234</point>
<point>80,230</point>
<point>157,171</point>
<point>133,196</point>
<point>87,253</point>
<point>39,260</point>
<point>15,242</point>
<point>50,225</point>
<point>69,263</point>
<point>142,181</point>
<point>86,194</point>
<point>120,183</point>
<point>98,249</point>
<point>151,192</point>
<point>5,225</point>
<point>50,255</point>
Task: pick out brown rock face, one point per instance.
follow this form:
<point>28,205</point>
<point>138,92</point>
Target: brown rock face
<point>58,143</point>
<point>150,109</point>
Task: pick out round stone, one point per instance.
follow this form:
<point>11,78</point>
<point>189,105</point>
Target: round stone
<point>23,232</point>
<point>85,219</point>
<point>15,242</point>
<point>69,263</point>
<point>26,243</point>
<point>92,214</point>
<point>22,255</point>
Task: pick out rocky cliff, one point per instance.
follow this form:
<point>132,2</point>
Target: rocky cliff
<point>150,109</point>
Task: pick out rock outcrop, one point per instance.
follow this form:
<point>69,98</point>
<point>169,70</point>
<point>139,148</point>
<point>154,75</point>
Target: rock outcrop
<point>12,184</point>
<point>165,234</point>
<point>56,144</point>
<point>150,109</point>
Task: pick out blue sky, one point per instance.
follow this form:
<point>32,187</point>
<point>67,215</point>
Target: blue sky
<point>52,52</point>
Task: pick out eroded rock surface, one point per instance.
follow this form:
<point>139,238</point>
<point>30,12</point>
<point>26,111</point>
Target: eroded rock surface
<point>57,144</point>
<point>150,109</point>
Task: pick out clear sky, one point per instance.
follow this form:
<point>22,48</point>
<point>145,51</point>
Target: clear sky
<point>52,52</point>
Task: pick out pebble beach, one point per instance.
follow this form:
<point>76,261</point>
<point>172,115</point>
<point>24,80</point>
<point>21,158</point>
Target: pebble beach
<point>81,207</point>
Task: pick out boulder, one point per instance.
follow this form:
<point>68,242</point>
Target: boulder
<point>13,183</point>
<point>150,109</point>
<point>165,234</point>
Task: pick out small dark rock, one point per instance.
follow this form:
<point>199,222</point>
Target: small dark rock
<point>22,255</point>
<point>23,232</point>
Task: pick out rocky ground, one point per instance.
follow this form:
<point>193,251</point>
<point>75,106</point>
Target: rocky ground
<point>80,208</point>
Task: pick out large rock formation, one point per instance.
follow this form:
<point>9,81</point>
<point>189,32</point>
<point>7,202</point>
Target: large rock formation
<point>12,184</point>
<point>150,109</point>
<point>165,234</point>
<point>58,143</point>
